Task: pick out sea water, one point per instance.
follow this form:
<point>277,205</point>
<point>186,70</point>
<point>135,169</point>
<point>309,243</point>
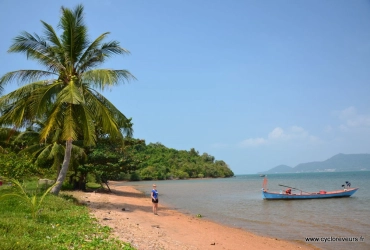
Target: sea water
<point>238,202</point>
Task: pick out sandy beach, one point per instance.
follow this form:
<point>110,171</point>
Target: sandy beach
<point>129,213</point>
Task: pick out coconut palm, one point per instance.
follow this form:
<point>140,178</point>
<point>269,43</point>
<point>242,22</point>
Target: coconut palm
<point>51,149</point>
<point>66,91</point>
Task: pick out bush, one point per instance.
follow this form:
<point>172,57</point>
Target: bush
<point>134,176</point>
<point>17,166</point>
<point>93,185</point>
<point>67,186</point>
<point>61,225</point>
<point>182,175</point>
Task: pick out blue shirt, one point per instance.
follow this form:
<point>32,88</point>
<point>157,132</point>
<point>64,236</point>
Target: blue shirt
<point>155,193</point>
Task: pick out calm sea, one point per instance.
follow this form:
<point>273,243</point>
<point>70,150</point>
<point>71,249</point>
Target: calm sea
<point>237,202</point>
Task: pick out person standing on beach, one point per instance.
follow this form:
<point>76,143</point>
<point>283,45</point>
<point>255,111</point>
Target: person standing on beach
<point>154,196</point>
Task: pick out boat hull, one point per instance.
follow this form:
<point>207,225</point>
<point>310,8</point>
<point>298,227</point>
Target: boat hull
<point>333,194</point>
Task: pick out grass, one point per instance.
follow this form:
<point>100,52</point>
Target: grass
<point>93,185</point>
<point>34,200</point>
<point>60,224</point>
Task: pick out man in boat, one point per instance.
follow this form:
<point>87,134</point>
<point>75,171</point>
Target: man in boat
<point>288,191</point>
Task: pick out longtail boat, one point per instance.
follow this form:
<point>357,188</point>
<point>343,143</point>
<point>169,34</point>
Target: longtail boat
<point>292,193</point>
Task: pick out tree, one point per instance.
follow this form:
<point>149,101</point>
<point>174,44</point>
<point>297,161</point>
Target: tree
<point>49,151</point>
<point>108,160</point>
<point>68,86</point>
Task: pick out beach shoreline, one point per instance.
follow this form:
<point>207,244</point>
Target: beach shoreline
<point>129,213</point>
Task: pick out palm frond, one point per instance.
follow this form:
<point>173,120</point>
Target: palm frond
<point>104,117</point>
<point>54,120</point>
<point>57,135</point>
<point>37,48</point>
<point>92,54</point>
<point>42,98</point>
<point>17,115</point>
<point>112,48</point>
<point>79,152</point>
<point>97,56</point>
<point>27,42</point>
<point>122,121</point>
<point>29,135</point>
<point>74,36</point>
<point>43,153</point>
<point>20,107</point>
<point>57,151</point>
<point>87,125</point>
<point>25,76</point>
<point>20,93</point>
<point>102,78</point>
<point>33,149</point>
<point>70,128</point>
<point>51,35</point>
<point>70,94</point>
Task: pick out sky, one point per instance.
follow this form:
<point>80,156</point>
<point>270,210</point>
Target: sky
<point>254,83</point>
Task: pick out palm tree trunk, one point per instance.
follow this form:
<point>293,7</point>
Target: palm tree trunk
<point>63,172</point>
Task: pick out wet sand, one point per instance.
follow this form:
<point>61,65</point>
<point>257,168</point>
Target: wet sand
<point>129,213</point>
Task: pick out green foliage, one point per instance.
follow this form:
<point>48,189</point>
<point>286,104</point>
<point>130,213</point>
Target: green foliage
<point>61,225</point>
<point>33,200</point>
<point>134,161</point>
<point>7,136</point>
<point>137,161</point>
<point>93,185</point>
<point>112,160</point>
<point>109,160</point>
<point>18,166</point>
<point>67,186</point>
<point>134,176</point>
<point>66,92</point>
<point>157,162</point>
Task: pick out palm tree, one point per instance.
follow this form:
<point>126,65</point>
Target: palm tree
<point>51,149</point>
<point>67,89</point>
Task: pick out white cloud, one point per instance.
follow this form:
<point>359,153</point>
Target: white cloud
<point>297,130</point>
<point>278,135</point>
<point>348,113</point>
<point>351,119</point>
<point>253,142</point>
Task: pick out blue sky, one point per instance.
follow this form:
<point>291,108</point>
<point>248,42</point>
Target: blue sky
<point>254,83</point>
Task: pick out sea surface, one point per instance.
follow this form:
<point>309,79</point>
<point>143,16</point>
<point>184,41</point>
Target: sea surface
<point>238,202</point>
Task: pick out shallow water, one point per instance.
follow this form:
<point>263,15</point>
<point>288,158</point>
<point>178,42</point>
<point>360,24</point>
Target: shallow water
<point>238,202</point>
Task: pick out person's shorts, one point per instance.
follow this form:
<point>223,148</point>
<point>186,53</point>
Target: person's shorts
<point>155,201</point>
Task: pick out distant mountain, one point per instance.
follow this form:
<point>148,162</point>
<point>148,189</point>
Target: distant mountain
<point>337,163</point>
<point>280,169</point>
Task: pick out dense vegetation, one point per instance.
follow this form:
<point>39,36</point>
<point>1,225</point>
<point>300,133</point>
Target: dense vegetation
<point>60,224</point>
<point>57,125</point>
<point>64,97</point>
<point>62,124</point>
<point>110,160</point>
<point>155,161</point>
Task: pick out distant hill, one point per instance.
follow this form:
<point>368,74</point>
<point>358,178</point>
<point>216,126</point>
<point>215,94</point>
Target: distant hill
<point>337,163</point>
<point>280,169</point>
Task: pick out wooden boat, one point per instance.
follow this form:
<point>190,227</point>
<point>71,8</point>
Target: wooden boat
<point>262,175</point>
<point>322,194</point>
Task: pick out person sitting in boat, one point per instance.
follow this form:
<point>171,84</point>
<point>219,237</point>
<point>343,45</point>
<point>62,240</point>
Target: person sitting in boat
<point>288,191</point>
